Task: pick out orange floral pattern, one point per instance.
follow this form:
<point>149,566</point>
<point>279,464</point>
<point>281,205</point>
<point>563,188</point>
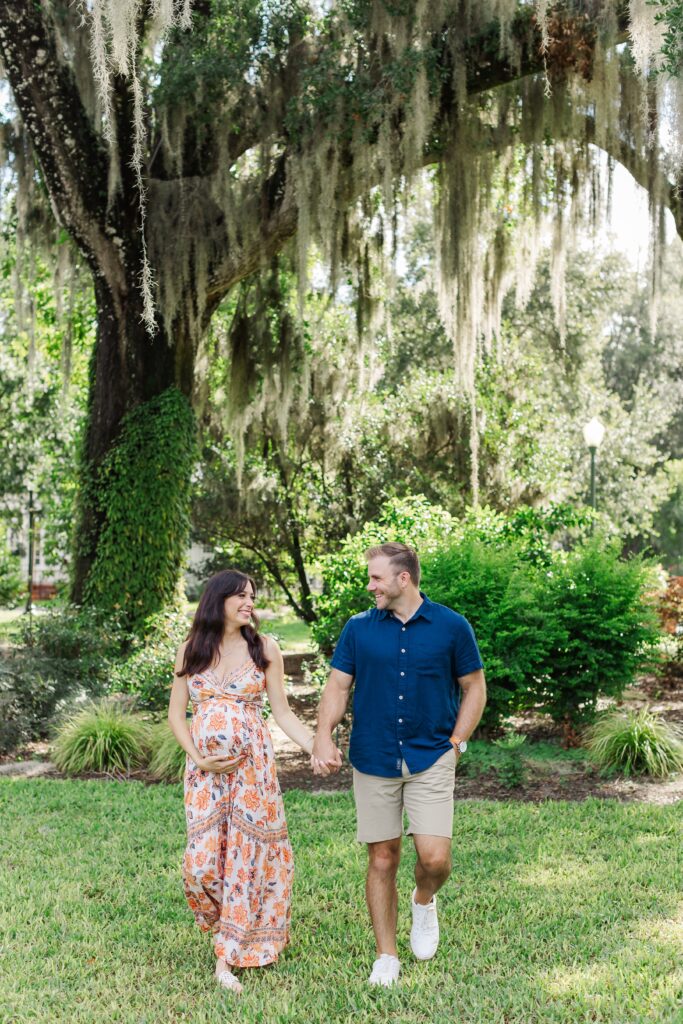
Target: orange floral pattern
<point>238,863</point>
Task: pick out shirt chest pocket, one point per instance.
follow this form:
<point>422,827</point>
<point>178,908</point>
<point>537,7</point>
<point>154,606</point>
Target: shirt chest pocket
<point>431,660</point>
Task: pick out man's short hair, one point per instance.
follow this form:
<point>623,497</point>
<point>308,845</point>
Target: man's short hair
<point>401,557</point>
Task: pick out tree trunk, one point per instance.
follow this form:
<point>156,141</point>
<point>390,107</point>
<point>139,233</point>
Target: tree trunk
<point>129,368</point>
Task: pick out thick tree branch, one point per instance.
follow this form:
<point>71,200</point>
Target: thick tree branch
<point>71,155</point>
<point>273,569</point>
<point>295,548</point>
<point>641,172</point>
<point>486,69</point>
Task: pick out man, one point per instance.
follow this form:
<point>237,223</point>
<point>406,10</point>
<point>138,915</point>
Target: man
<point>409,730</point>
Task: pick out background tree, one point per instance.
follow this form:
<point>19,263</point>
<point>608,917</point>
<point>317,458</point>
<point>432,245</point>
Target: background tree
<point>254,123</point>
<point>279,492</point>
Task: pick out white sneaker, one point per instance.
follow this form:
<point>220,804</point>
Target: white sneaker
<point>424,935</point>
<point>385,970</point>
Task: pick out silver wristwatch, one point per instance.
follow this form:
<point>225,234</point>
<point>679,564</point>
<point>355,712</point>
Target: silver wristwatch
<point>460,746</point>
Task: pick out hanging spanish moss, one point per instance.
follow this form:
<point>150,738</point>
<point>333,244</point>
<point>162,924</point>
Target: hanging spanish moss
<point>115,50</point>
<point>339,153</point>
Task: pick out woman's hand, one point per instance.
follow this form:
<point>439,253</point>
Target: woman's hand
<point>218,763</point>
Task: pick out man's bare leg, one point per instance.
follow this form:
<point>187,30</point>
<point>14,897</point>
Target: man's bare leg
<point>433,865</point>
<point>381,893</point>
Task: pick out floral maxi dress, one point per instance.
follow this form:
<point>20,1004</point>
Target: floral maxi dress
<point>238,864</point>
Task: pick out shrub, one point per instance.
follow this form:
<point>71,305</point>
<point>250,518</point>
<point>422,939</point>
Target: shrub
<point>636,742</point>
<point>167,760</point>
<point>539,533</point>
<point>101,737</point>
<point>27,702</point>
<point>72,644</point>
<point>62,655</point>
<point>511,768</point>
<point>316,671</point>
<point>556,629</point>
<point>147,671</point>
<point>497,591</point>
<point>601,626</point>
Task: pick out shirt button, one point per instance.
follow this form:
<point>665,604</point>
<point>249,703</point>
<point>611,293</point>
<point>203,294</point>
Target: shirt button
<point>403,650</point>
<point>400,721</point>
<point>402,673</point>
<point>403,629</point>
<point>400,743</point>
<point>400,696</point>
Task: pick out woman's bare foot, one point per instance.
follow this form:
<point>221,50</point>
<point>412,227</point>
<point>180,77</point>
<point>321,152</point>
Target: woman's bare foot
<point>225,977</point>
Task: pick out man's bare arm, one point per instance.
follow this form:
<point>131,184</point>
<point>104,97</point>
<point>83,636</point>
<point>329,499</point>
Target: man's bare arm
<point>472,705</point>
<point>333,703</point>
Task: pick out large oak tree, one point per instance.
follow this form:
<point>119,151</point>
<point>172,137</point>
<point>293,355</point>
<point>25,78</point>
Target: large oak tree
<point>182,163</point>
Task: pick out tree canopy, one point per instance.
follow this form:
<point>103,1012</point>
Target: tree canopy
<point>186,146</point>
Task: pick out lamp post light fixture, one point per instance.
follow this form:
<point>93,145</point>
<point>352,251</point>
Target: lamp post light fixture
<point>593,434</point>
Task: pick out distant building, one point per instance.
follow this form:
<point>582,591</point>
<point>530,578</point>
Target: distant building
<point>48,576</point>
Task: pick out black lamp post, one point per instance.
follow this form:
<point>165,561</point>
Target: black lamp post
<point>33,508</point>
<point>593,434</point>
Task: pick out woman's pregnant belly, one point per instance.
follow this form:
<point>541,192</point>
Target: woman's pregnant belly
<point>221,732</point>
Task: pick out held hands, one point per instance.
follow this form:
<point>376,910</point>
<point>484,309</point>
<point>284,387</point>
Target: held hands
<point>326,758</point>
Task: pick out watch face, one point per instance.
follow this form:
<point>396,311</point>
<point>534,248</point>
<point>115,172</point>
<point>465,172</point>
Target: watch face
<point>462,746</point>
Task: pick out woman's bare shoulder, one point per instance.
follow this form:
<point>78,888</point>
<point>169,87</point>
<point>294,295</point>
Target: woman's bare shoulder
<point>269,641</point>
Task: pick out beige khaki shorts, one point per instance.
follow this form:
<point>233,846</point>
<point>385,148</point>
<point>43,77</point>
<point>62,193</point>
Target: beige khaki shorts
<point>427,798</point>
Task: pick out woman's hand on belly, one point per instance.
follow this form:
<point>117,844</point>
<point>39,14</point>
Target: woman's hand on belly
<point>218,763</point>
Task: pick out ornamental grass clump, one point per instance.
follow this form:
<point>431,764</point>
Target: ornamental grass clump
<point>636,743</point>
<point>101,737</point>
<point>167,761</point>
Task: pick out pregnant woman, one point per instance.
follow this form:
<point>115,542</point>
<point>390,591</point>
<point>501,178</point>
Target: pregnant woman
<point>238,864</point>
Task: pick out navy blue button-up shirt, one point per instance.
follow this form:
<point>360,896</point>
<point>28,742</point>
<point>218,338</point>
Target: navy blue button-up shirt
<point>406,694</point>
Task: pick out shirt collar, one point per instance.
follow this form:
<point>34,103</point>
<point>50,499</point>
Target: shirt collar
<point>425,611</point>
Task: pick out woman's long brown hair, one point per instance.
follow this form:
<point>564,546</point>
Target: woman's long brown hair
<point>206,631</point>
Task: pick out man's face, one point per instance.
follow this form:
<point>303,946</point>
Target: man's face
<point>383,582</point>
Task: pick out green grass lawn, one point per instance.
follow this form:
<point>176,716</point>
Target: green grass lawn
<point>482,755</point>
<point>292,634</point>
<point>555,912</point>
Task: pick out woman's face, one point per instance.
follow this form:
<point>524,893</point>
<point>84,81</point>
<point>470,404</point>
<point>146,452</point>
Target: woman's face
<point>238,607</point>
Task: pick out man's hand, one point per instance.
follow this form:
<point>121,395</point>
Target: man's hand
<point>326,758</point>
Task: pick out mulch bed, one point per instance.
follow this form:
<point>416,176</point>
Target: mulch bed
<point>546,780</point>
<point>553,780</point>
